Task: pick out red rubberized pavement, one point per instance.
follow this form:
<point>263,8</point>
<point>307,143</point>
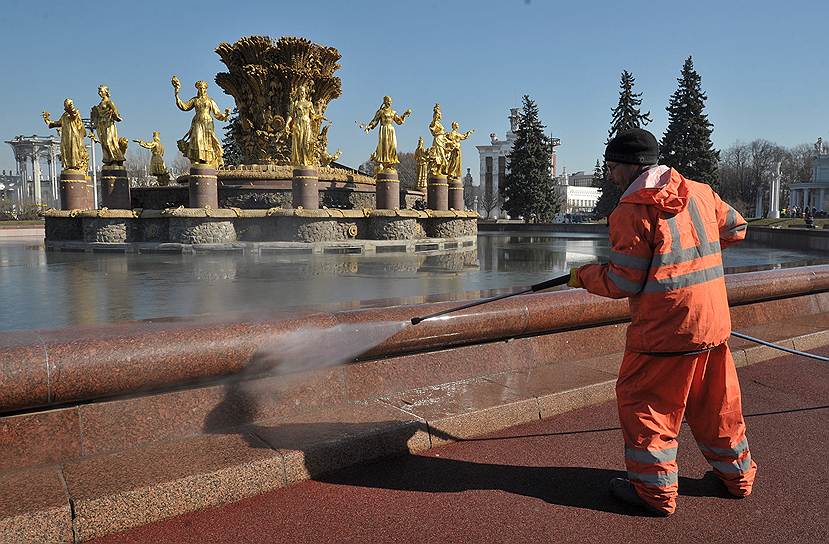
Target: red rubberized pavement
<point>547,482</point>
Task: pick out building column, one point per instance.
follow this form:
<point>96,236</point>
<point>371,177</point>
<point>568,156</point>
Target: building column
<point>36,177</point>
<point>24,177</point>
<point>774,195</point>
<point>758,203</point>
<point>482,182</point>
<point>805,198</point>
<point>52,175</point>
<point>823,205</point>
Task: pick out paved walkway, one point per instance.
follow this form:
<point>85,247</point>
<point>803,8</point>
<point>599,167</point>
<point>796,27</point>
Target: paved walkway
<point>547,482</point>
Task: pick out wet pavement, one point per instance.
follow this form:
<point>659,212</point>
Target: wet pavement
<point>547,482</point>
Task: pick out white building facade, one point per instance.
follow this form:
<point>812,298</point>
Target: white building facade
<point>815,192</point>
<point>575,199</point>
<point>37,181</point>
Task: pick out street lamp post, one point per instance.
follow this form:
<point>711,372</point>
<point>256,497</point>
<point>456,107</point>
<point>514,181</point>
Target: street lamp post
<point>94,165</point>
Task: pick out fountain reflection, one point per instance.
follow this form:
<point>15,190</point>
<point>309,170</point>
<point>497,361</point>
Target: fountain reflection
<point>54,289</point>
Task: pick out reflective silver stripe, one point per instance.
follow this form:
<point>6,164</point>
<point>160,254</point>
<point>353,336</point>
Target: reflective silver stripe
<point>699,226</point>
<point>684,280</point>
<point>685,255</point>
<point>740,466</point>
<point>736,451</point>
<point>651,456</point>
<point>623,284</point>
<point>678,255</point>
<point>630,261</point>
<point>730,218</point>
<point>730,233</point>
<point>676,243</point>
<point>660,480</point>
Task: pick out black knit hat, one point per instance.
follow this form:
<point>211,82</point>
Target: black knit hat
<point>634,146</point>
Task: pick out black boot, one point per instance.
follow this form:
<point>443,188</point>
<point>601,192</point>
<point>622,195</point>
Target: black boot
<point>624,491</point>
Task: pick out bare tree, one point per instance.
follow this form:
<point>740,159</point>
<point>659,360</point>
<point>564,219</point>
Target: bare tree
<point>488,202</point>
<point>178,166</point>
<point>138,167</point>
<point>407,171</point>
<point>796,168</point>
<point>367,168</point>
<point>797,163</point>
<point>747,169</point>
<point>735,176</point>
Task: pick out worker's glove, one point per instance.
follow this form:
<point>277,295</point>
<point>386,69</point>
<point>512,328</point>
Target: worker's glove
<point>574,279</point>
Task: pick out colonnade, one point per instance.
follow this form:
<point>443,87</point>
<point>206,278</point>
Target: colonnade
<point>30,154</point>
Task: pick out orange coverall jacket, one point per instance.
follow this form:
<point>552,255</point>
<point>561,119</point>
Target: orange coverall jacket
<point>666,235</point>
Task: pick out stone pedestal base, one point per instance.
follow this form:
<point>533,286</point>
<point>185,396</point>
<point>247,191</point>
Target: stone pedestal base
<point>456,194</point>
<point>305,188</point>
<point>203,190</point>
<point>74,191</point>
<point>388,191</point>
<point>115,188</point>
<point>437,195</point>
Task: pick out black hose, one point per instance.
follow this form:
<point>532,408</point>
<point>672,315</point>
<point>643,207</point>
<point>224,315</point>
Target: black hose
<point>561,280</point>
<point>781,348</point>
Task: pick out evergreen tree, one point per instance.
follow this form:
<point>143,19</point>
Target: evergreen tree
<point>626,115</point>
<point>598,174</point>
<point>687,145</point>
<point>231,149</point>
<point>528,188</point>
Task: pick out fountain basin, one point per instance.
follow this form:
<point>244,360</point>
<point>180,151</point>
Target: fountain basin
<point>364,230</point>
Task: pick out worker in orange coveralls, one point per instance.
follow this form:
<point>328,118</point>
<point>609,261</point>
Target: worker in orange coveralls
<point>666,235</point>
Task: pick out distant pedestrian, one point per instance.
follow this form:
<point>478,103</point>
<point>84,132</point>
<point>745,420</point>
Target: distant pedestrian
<point>666,235</point>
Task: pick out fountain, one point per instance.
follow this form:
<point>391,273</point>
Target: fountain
<point>288,189</point>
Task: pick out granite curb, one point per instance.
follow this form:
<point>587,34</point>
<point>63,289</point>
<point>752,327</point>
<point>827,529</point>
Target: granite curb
<point>113,492</point>
<point>96,362</point>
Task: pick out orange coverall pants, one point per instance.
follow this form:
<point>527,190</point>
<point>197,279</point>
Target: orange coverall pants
<point>653,394</point>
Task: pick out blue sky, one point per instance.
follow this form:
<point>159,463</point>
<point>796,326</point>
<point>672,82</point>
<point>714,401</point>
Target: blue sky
<point>763,64</point>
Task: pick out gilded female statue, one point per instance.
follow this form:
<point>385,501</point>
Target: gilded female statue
<point>73,153</point>
<point>437,153</point>
<point>453,148</point>
<point>157,167</point>
<point>421,156</point>
<point>299,126</point>
<point>200,144</point>
<point>386,153</point>
<point>104,116</point>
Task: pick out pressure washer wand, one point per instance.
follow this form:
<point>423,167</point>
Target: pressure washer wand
<point>561,280</point>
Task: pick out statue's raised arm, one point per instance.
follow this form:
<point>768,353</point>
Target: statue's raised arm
<point>183,106</point>
<point>386,152</point>
<point>200,144</point>
<point>73,154</point>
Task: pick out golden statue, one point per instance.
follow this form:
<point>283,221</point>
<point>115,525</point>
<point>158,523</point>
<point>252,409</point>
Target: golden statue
<point>386,153</point>
<point>299,126</point>
<point>437,153</point>
<point>262,76</point>
<point>325,158</point>
<point>73,153</point>
<point>421,156</point>
<point>453,149</point>
<point>103,117</point>
<point>200,144</point>
<point>157,167</point>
